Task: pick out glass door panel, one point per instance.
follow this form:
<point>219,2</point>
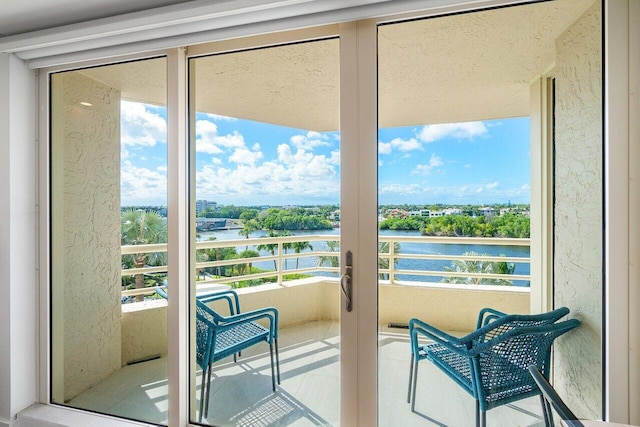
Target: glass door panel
<point>265,177</point>
<point>109,239</point>
<point>458,120</point>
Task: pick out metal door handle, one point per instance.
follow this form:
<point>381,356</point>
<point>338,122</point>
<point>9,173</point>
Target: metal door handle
<point>346,282</point>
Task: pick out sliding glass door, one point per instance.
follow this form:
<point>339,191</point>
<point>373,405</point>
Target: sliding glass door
<point>332,183</point>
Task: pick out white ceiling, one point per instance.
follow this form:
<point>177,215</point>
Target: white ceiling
<point>452,69</point>
<point>21,16</point>
<point>459,68</point>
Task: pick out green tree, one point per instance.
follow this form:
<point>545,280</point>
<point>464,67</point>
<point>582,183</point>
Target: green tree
<point>249,226</point>
<point>218,254</point>
<point>242,268</point>
<point>331,260</point>
<point>299,247</point>
<point>140,227</point>
<point>479,266</point>
<point>271,247</point>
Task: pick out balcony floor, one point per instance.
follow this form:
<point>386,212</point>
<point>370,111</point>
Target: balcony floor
<point>241,392</point>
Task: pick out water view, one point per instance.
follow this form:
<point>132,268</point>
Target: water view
<point>521,268</point>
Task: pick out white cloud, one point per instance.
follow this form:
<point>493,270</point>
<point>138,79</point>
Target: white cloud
<point>426,169</point>
<point>491,186</point>
<point>405,144</point>
<point>208,141</point>
<point>138,184</point>
<point>141,127</point>
<point>310,141</point>
<point>384,148</point>
<point>245,156</point>
<point>297,174</point>
<point>468,130</point>
<point>219,118</point>
<point>206,132</point>
<point>399,189</point>
<point>400,144</point>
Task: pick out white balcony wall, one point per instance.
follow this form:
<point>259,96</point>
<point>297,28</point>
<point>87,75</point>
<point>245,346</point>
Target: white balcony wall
<point>449,307</point>
<point>578,211</point>
<point>86,228</point>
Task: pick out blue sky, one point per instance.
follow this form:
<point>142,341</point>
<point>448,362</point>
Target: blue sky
<point>249,163</point>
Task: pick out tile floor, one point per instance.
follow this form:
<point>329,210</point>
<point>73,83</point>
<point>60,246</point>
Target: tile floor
<point>308,396</point>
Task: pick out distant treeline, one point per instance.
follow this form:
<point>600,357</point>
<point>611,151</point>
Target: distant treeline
<point>255,218</point>
<point>505,226</point>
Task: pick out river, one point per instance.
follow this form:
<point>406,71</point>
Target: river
<point>406,248</point>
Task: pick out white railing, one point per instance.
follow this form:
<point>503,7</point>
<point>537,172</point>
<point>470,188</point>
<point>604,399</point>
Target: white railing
<point>391,273</point>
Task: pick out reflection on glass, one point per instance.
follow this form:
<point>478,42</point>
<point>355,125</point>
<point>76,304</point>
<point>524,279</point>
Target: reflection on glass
<point>266,178</point>
<point>108,192</point>
<point>455,128</point>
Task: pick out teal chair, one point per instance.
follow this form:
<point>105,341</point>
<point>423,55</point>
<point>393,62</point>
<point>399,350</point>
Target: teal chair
<point>491,363</point>
<point>218,336</point>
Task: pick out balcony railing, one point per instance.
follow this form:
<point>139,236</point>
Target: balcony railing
<point>392,274</point>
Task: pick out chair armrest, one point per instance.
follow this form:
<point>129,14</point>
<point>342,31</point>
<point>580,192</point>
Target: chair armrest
<point>487,315</point>
<point>418,327</point>
<point>269,313</point>
<point>228,294</point>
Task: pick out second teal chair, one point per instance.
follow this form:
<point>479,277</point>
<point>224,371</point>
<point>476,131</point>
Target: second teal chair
<point>491,363</point>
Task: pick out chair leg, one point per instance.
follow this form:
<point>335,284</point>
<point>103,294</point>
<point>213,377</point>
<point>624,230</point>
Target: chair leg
<point>410,378</point>
<point>273,373</point>
<point>546,412</point>
<point>202,387</point>
<point>415,387</point>
<point>483,418</point>
<point>277,360</point>
<point>477,413</point>
<point>206,405</point>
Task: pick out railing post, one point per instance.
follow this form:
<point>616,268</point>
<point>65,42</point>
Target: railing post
<point>280,264</point>
<point>391,262</point>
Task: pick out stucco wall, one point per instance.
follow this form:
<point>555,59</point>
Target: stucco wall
<point>578,211</point>
<point>454,308</point>
<point>86,230</point>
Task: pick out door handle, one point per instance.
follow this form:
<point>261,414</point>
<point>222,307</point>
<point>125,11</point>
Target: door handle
<point>346,281</point>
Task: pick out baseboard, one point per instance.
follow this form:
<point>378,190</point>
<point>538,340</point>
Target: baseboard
<point>7,423</point>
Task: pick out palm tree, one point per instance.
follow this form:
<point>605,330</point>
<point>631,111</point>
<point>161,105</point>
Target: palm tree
<point>285,246</point>
<point>249,253</point>
<point>479,266</point>
<point>299,247</point>
<point>217,254</point>
<point>271,247</point>
<point>249,226</point>
<point>332,260</point>
<point>383,262</point>
<point>140,227</point>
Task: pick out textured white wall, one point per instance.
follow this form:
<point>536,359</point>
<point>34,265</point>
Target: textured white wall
<point>578,211</point>
<point>86,146</point>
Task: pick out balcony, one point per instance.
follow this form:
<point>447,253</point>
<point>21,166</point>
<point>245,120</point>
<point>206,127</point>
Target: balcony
<point>309,314</point>
<point>449,306</point>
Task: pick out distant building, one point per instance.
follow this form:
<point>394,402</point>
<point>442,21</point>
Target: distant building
<point>210,224</point>
<point>203,205</point>
<point>487,211</point>
<point>397,213</point>
<point>453,211</point>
